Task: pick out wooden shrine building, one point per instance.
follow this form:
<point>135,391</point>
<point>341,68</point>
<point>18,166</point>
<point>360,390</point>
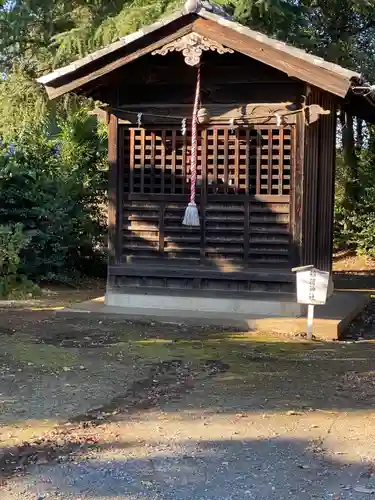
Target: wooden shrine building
<point>266,144</point>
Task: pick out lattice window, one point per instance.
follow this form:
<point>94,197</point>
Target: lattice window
<point>273,159</point>
<point>255,161</point>
<point>158,161</point>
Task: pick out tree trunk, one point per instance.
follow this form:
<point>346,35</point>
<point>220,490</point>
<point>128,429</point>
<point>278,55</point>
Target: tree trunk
<point>359,135</point>
<point>351,160</point>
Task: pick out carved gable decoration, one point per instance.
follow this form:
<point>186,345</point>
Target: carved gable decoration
<point>192,47</point>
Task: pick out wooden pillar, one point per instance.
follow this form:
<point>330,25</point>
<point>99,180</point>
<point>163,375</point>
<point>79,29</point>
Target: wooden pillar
<point>115,189</point>
<point>311,172</point>
<point>326,184</point>
<point>318,184</point>
<point>297,206</point>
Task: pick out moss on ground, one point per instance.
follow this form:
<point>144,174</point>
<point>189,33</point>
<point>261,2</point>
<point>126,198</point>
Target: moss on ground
<point>22,351</point>
<point>244,352</point>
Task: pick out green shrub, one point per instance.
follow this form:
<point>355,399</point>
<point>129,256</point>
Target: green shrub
<point>12,240</point>
<point>55,188</point>
<point>355,222</point>
<point>13,284</point>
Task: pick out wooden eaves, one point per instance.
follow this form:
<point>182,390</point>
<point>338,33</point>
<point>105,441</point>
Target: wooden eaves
<point>211,22</point>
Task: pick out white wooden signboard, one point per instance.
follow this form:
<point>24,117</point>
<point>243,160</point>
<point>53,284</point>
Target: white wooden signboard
<point>313,288</point>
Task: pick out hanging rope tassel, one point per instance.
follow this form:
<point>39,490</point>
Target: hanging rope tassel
<point>191,213</point>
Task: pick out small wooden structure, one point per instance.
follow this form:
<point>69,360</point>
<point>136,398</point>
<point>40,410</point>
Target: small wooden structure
<point>266,157</point>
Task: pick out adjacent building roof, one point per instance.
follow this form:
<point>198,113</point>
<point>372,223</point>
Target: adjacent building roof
<point>211,21</point>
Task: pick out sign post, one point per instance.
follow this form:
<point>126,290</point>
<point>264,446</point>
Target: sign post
<point>313,288</point>
<point>310,321</point>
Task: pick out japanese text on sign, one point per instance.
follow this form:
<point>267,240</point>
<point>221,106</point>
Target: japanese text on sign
<point>312,286</point>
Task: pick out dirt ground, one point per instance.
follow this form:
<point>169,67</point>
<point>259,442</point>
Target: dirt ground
<point>96,408</point>
<point>347,261</point>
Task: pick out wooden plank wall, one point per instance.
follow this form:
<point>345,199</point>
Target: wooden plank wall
<point>226,78</point>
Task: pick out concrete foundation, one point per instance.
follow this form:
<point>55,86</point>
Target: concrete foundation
<point>331,320</point>
<point>265,305</point>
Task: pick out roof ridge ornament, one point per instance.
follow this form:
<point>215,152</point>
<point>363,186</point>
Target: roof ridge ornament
<point>192,47</point>
<point>192,5</point>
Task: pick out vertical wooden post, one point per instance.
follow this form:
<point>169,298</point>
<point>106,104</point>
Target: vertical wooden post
<point>153,170</point>
<point>326,185</point>
<point>204,188</point>
<point>297,190</point>
<point>131,166</point>
<point>237,162</point>
<point>247,186</point>
<point>163,155</point>
<point>143,148</point>
<point>247,202</point>
<point>259,160</point>
<point>310,322</point>
<point>281,161</point>
<point>215,162</point>
<point>113,192</point>
<point>246,232</point>
<point>269,162</point>
<point>161,228</point>
<point>174,154</point>
<point>226,163</point>
<point>310,191</point>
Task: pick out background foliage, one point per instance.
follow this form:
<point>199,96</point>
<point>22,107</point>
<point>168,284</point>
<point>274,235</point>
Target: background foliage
<point>53,180</point>
<point>52,156</point>
<point>12,282</point>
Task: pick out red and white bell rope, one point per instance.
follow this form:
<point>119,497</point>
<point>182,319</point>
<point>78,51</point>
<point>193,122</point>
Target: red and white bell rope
<point>191,213</point>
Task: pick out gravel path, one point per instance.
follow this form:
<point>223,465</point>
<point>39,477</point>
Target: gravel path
<point>267,457</point>
<point>168,454</point>
<point>222,471</point>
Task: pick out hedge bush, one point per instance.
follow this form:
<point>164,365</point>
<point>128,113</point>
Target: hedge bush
<point>55,187</point>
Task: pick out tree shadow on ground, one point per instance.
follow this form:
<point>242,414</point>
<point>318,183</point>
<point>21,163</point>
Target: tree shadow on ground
<point>262,469</point>
<point>178,368</point>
